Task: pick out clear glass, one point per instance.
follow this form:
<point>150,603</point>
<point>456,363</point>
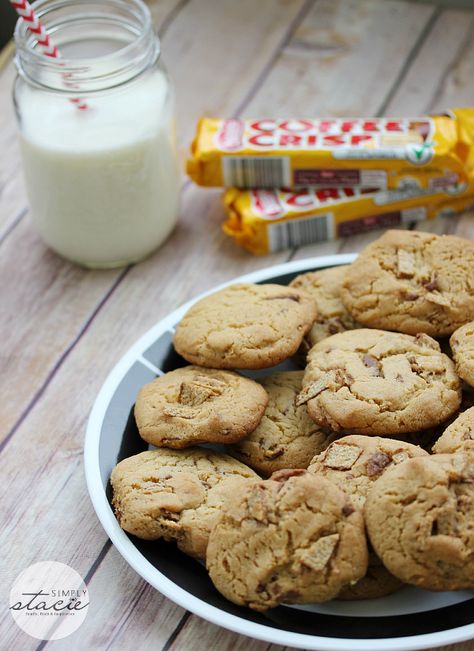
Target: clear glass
<point>103,181</point>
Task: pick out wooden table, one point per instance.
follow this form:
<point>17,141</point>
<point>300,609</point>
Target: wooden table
<point>63,327</point>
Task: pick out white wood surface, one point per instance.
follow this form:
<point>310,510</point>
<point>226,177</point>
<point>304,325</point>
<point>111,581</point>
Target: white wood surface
<point>63,327</point>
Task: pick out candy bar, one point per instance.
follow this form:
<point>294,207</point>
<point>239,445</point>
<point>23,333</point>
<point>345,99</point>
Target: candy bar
<point>264,221</point>
<point>426,152</point>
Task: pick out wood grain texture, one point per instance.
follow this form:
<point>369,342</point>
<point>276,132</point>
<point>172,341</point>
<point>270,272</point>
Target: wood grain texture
<point>437,75</point>
<point>64,327</point>
<point>195,231</point>
<point>56,453</point>
<point>343,59</point>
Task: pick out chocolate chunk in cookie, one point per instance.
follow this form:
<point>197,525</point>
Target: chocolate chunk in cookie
<point>458,436</point>
<point>324,287</point>
<point>194,405</point>
<point>286,437</point>
<point>354,463</point>
<point>462,345</point>
<point>420,516</point>
<point>375,382</point>
<point>289,539</point>
<point>412,282</point>
<point>175,494</point>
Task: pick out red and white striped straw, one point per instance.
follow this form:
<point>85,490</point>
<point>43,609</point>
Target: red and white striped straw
<point>44,40</point>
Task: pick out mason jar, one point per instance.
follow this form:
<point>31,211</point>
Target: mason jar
<point>97,132</point>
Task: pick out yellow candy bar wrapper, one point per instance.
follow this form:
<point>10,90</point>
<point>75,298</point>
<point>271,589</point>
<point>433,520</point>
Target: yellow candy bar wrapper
<point>265,221</point>
<point>376,153</point>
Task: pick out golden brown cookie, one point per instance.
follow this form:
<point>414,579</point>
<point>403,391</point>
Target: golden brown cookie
<point>377,582</point>
<point>175,494</point>
<point>324,287</point>
<point>354,463</point>
<point>412,282</point>
<point>194,405</point>
<point>462,345</point>
<point>420,516</point>
<point>428,437</point>
<point>375,382</point>
<point>294,538</point>
<point>458,436</point>
<point>286,436</point>
<point>245,326</point>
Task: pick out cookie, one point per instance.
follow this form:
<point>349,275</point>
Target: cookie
<point>175,494</point>
<point>198,405</point>
<point>286,436</point>
<point>324,287</point>
<point>462,345</point>
<point>379,383</point>
<point>458,436</point>
<point>245,326</point>
<point>355,462</point>
<point>377,582</point>
<point>428,437</point>
<point>294,538</point>
<point>412,282</point>
<point>420,516</point>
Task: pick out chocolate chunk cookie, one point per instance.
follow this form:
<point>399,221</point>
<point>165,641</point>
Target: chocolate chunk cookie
<point>286,436</point>
<point>462,345</point>
<point>198,405</point>
<point>245,326</point>
<point>420,516</point>
<point>332,316</point>
<point>458,436</point>
<point>377,582</point>
<point>412,282</point>
<point>427,438</point>
<point>294,538</point>
<point>374,382</point>
<point>175,494</point>
<point>354,463</point>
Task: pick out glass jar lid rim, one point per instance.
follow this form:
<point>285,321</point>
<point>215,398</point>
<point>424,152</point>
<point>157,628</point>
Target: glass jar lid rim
<point>146,45</point>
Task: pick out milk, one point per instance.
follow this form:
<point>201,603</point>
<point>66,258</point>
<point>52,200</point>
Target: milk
<point>103,183</point>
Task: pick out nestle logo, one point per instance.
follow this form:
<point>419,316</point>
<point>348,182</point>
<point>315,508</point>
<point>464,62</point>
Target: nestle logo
<point>267,204</point>
<point>230,135</point>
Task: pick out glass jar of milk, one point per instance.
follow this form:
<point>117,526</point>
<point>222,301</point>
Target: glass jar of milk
<point>97,132</point>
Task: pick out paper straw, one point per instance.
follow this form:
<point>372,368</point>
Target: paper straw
<point>44,40</point>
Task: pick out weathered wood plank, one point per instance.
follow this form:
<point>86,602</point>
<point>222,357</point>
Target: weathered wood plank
<point>238,39</point>
<point>461,646</point>
<point>436,79</point>
<point>194,630</point>
<point>342,60</point>
<point>439,76</point>
<point>195,235</point>
<point>113,594</point>
<point>58,432</point>
<point>214,638</point>
<point>41,293</point>
<point>50,439</point>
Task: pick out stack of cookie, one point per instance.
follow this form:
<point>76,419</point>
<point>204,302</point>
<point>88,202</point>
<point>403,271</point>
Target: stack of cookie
<point>355,499</point>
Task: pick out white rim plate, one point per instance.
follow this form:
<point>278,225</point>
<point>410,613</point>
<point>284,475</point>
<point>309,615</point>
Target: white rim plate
<point>97,483</point>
